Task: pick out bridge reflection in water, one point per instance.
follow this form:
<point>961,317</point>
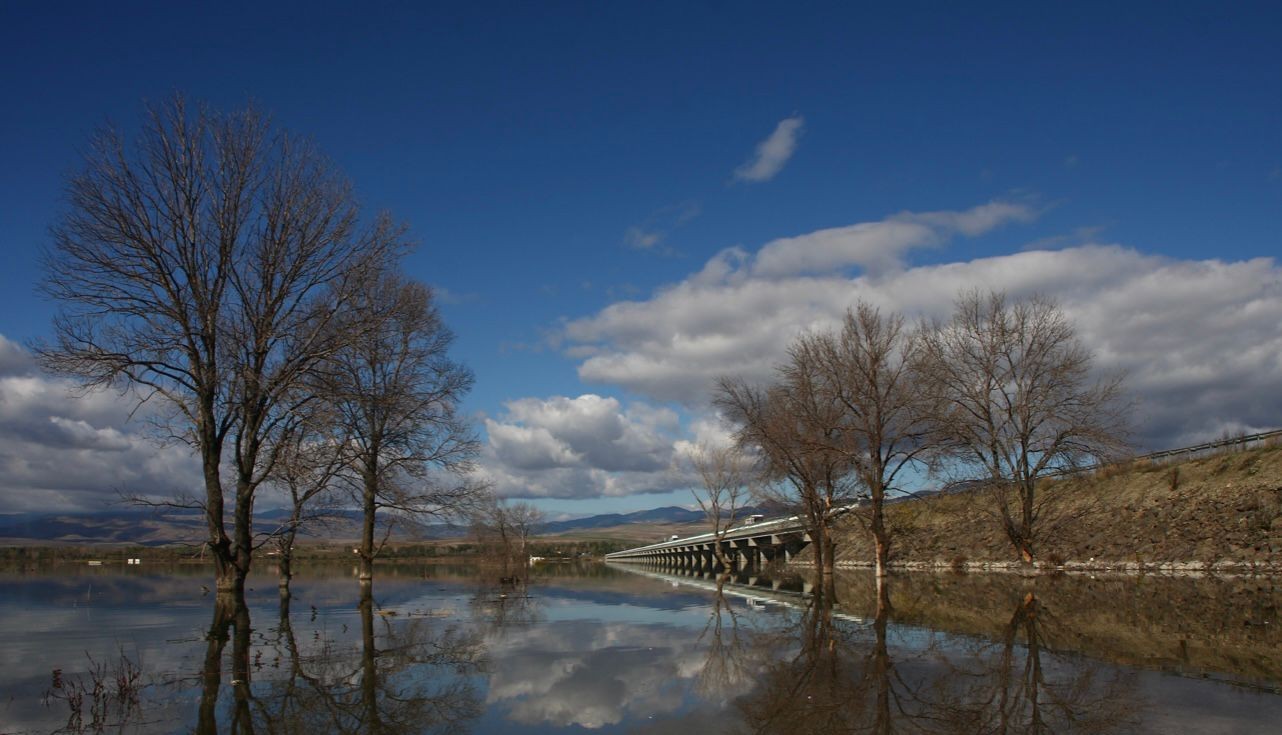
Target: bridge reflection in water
<point>754,587</point>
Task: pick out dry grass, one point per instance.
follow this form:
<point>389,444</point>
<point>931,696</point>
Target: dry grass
<point>1221,508</point>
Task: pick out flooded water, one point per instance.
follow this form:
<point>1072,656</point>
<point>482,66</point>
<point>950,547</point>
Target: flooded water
<point>611,649</point>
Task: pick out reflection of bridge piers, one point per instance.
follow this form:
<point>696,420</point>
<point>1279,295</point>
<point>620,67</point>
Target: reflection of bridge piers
<point>748,548</point>
<point>757,589</point>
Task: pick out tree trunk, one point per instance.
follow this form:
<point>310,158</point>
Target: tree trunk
<point>823,548</point>
<point>242,534</point>
<point>219,544</point>
<point>1026,524</point>
<point>881,539</point>
<point>285,567</point>
<point>367,528</point>
<point>525,562</point>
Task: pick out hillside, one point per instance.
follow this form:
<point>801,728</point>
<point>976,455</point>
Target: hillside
<point>1223,511</point>
<point>157,528</point>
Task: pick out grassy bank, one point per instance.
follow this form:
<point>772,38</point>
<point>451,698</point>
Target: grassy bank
<point>1217,513</point>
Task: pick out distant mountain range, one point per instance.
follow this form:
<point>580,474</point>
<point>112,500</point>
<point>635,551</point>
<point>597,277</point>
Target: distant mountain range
<point>670,514</point>
<point>154,528</point>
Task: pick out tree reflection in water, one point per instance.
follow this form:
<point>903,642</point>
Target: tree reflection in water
<point>732,661</point>
<point>1020,685</point>
<point>839,676</point>
<point>406,676</point>
<point>231,621</point>
<point>833,681</point>
<point>504,608</point>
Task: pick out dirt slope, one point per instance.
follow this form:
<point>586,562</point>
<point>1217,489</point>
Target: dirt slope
<point>1217,512</point>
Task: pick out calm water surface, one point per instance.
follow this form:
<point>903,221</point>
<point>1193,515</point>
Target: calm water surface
<point>614,649</point>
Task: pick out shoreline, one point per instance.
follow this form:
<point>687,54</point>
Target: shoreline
<point>1191,569</point>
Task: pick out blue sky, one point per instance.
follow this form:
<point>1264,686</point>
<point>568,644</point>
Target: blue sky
<point>570,168</point>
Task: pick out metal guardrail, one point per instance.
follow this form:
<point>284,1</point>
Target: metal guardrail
<point>1243,441</point>
<point>1222,443</point>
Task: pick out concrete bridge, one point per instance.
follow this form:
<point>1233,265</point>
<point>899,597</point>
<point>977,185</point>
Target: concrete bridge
<point>747,547</point>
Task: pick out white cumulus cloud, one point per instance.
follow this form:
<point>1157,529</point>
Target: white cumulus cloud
<point>772,153</point>
<point>1200,340</point>
<point>587,446</point>
<point>62,449</point>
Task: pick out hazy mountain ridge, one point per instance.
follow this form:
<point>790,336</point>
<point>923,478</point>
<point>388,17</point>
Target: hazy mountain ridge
<point>168,526</point>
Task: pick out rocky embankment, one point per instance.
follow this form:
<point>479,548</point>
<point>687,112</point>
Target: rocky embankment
<point>1221,513</point>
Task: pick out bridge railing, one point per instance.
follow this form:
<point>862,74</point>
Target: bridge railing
<point>760,528</point>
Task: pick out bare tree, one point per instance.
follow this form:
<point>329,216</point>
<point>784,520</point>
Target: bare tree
<point>724,474</point>
<point>503,530</point>
<point>791,428</point>
<point>489,531</point>
<point>395,392</point>
<point>310,457</point>
<point>202,264</point>
<point>1015,399</point>
<point>525,520</point>
<point>882,427</point>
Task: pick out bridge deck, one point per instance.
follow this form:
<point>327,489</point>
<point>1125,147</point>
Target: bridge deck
<point>747,544</point>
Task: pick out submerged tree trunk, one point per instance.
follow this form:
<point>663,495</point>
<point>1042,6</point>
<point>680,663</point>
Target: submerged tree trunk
<point>230,614</point>
<point>211,674</point>
<point>882,666</point>
<point>242,714</point>
<point>371,720</point>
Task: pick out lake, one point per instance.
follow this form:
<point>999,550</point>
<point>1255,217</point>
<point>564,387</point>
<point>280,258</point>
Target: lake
<point>438,649</point>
